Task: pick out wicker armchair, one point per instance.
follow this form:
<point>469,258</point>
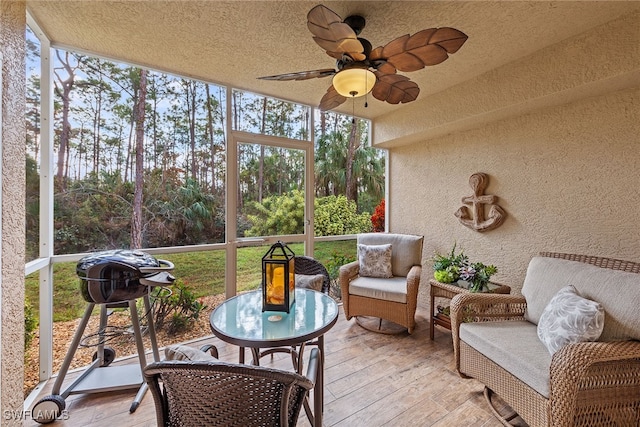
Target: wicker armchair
<point>588,383</point>
<point>393,299</point>
<point>213,393</point>
<point>310,267</point>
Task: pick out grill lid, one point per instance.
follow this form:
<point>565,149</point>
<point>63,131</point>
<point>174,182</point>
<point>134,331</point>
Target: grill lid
<point>135,259</point>
<point>120,275</point>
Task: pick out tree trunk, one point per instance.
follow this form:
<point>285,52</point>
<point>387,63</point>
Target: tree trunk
<point>154,89</point>
<point>97,125</point>
<point>212,144</point>
<point>63,88</point>
<point>236,117</point>
<point>223,147</point>
<point>190,87</point>
<point>128,163</point>
<point>80,150</point>
<point>261,159</point>
<point>139,111</point>
<point>323,124</point>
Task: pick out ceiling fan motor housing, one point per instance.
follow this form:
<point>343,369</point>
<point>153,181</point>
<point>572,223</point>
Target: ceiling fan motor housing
<point>356,22</point>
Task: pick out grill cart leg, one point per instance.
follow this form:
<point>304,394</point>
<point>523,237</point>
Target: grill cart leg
<point>50,407</point>
<point>140,345</point>
<point>72,352</point>
<point>152,328</point>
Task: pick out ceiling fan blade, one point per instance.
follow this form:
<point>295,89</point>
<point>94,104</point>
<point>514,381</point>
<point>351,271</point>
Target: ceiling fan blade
<point>351,47</point>
<point>395,88</point>
<point>376,53</point>
<point>384,67</point>
<point>322,16</point>
<point>449,38</point>
<point>427,47</point>
<point>302,75</point>
<point>331,99</point>
<point>333,35</point>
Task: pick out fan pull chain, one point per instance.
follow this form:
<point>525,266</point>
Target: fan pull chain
<point>366,93</point>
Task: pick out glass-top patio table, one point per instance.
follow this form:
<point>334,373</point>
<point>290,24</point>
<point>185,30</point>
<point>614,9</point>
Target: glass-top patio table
<point>241,321</point>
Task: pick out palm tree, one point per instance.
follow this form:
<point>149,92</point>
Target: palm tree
<point>367,168</point>
<point>330,162</point>
<point>368,173</point>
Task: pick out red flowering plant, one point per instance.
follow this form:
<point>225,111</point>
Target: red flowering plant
<point>377,219</point>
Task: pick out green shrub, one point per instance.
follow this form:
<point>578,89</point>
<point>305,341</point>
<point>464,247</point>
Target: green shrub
<point>282,214</point>
<point>335,215</point>
<point>333,268</point>
<point>338,260</point>
<point>178,323</point>
<point>177,309</point>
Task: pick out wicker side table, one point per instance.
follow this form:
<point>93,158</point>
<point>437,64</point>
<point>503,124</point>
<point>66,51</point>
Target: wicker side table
<point>447,290</point>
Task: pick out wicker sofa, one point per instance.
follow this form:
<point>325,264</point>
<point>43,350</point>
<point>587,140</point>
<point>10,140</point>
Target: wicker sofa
<point>496,341</point>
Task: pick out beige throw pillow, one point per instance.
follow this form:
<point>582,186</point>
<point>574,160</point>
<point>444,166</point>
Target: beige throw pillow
<point>308,281</point>
<point>375,260</point>
<point>184,352</point>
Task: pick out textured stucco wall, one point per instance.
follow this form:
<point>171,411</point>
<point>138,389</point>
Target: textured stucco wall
<point>601,60</point>
<point>558,133</point>
<point>12,29</point>
<point>568,177</point>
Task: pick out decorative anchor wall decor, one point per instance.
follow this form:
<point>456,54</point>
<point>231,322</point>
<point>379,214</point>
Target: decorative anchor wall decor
<point>476,219</point>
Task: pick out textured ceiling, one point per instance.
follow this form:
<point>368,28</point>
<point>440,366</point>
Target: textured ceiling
<point>233,43</point>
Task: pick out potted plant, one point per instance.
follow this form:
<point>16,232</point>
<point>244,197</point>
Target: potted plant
<point>446,268</point>
<point>458,270</point>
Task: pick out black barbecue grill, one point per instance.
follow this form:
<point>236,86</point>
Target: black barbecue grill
<point>115,278</point>
<point>120,275</point>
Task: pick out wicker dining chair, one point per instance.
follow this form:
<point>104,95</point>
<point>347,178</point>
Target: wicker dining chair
<point>214,393</point>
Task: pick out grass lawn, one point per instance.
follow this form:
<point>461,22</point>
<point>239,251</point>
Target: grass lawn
<point>202,272</point>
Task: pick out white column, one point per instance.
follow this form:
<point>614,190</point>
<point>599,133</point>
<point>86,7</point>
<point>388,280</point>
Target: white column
<point>46,201</point>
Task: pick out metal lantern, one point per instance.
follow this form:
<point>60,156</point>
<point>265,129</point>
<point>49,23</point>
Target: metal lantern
<point>278,278</point>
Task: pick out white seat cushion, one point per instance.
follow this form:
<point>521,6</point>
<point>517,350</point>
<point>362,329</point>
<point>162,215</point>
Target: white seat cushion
<point>391,289</point>
<point>515,347</point>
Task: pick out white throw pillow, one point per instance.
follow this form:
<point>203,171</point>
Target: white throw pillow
<point>570,318</point>
<point>375,260</point>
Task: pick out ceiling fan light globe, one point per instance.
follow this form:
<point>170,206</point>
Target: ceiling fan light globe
<point>354,82</point>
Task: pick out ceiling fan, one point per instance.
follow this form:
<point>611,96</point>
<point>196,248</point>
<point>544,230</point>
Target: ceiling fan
<point>361,69</point>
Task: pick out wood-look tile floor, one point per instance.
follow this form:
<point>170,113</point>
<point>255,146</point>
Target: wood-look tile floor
<point>371,379</point>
